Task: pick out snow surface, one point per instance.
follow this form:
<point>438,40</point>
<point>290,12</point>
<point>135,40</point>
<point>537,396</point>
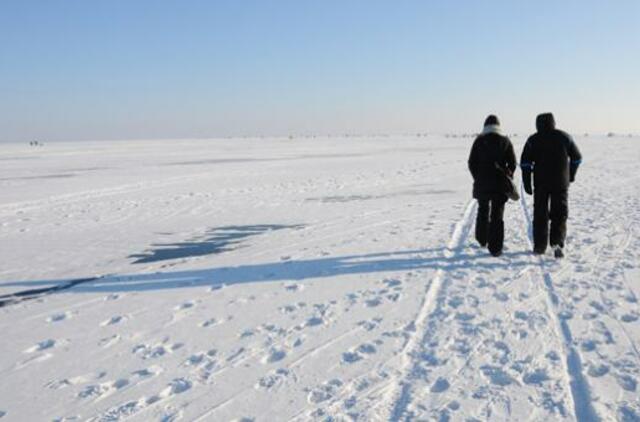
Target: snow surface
<point>308,279</point>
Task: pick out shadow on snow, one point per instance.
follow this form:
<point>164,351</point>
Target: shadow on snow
<point>217,240</point>
<point>289,270</point>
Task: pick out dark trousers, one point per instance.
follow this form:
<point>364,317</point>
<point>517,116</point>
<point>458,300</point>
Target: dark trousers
<point>554,206</point>
<point>490,224</point>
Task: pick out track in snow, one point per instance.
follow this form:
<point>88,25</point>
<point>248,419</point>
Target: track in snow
<point>400,394</point>
<point>583,409</point>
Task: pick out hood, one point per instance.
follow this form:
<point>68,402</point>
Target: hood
<point>545,122</point>
<point>491,129</point>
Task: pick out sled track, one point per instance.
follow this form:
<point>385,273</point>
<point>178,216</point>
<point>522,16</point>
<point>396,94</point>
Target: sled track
<point>398,401</point>
<point>579,387</point>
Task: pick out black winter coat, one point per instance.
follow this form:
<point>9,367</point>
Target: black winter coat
<point>551,155</point>
<point>487,151</point>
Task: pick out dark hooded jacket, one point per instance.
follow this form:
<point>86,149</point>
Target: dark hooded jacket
<point>488,150</point>
<point>551,155</point>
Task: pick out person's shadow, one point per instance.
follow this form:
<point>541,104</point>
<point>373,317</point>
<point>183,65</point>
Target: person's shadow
<point>283,270</point>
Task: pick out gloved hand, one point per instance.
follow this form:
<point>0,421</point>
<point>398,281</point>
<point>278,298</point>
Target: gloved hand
<point>573,169</point>
<point>526,181</point>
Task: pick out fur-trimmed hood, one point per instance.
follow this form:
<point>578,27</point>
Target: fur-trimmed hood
<point>491,129</point>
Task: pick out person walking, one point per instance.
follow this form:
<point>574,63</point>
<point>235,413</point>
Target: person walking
<point>491,154</point>
<point>553,158</point>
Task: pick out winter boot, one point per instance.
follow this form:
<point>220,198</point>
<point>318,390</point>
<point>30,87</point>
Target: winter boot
<point>557,251</point>
<point>539,251</point>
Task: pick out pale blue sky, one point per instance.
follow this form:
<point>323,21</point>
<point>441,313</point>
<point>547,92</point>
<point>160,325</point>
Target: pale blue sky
<point>123,69</point>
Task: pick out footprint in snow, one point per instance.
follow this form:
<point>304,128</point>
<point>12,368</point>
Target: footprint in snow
<point>454,405</point>
<point>627,382</point>
<point>521,315</point>
<point>359,353</point>
<point>177,386</point>
<point>536,377</point>
<point>59,317</point>
<point>98,390</point>
<point>351,357</point>
<point>441,385</point>
<point>367,349</point>
<point>186,305</point>
<point>455,301</point>
<point>597,370</point>
<point>113,320</point>
<point>394,297</point>
<point>287,309</point>
<point>588,345</point>
<point>125,410</point>
<point>391,282</point>
<point>472,301</point>
<point>236,355</point>
<point>273,329</point>
<point>195,359</point>
<point>43,345</point>
<point>372,303</point>
<point>146,351</point>
<point>58,384</point>
<point>464,316</point>
<point>502,297</point>
<point>210,322</point>
<point>247,333</point>
<point>274,355</point>
<point>627,414</point>
<point>109,341</point>
<point>297,342</point>
<point>352,298</point>
<point>370,325</point>
<point>350,402</point>
<point>324,392</point>
<point>147,372</point>
<point>497,375</point>
<point>314,321</point>
<point>273,380</point>
<point>588,316</point>
<point>553,356</point>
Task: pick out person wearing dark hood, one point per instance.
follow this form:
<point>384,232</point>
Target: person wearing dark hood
<point>491,150</point>
<point>553,158</point>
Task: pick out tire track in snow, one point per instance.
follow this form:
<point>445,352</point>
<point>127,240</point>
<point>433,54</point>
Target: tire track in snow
<point>397,401</point>
<point>579,387</point>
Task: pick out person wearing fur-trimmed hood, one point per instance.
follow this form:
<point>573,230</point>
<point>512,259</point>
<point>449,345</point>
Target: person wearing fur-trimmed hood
<point>490,149</point>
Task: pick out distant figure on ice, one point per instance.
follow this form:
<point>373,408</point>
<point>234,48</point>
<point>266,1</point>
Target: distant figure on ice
<point>553,158</point>
<point>491,153</point>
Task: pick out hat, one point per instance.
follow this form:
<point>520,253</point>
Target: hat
<point>492,120</point>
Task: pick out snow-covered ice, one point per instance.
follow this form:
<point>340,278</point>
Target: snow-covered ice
<point>308,279</point>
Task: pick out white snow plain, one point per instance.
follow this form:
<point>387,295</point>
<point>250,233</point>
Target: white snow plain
<point>308,279</point>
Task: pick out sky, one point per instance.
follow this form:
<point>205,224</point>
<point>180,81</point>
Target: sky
<point>122,69</point>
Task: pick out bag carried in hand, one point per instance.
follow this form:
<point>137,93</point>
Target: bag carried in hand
<point>507,183</point>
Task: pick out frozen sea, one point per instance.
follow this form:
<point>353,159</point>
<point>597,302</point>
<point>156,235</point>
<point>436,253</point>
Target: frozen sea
<point>326,278</point>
